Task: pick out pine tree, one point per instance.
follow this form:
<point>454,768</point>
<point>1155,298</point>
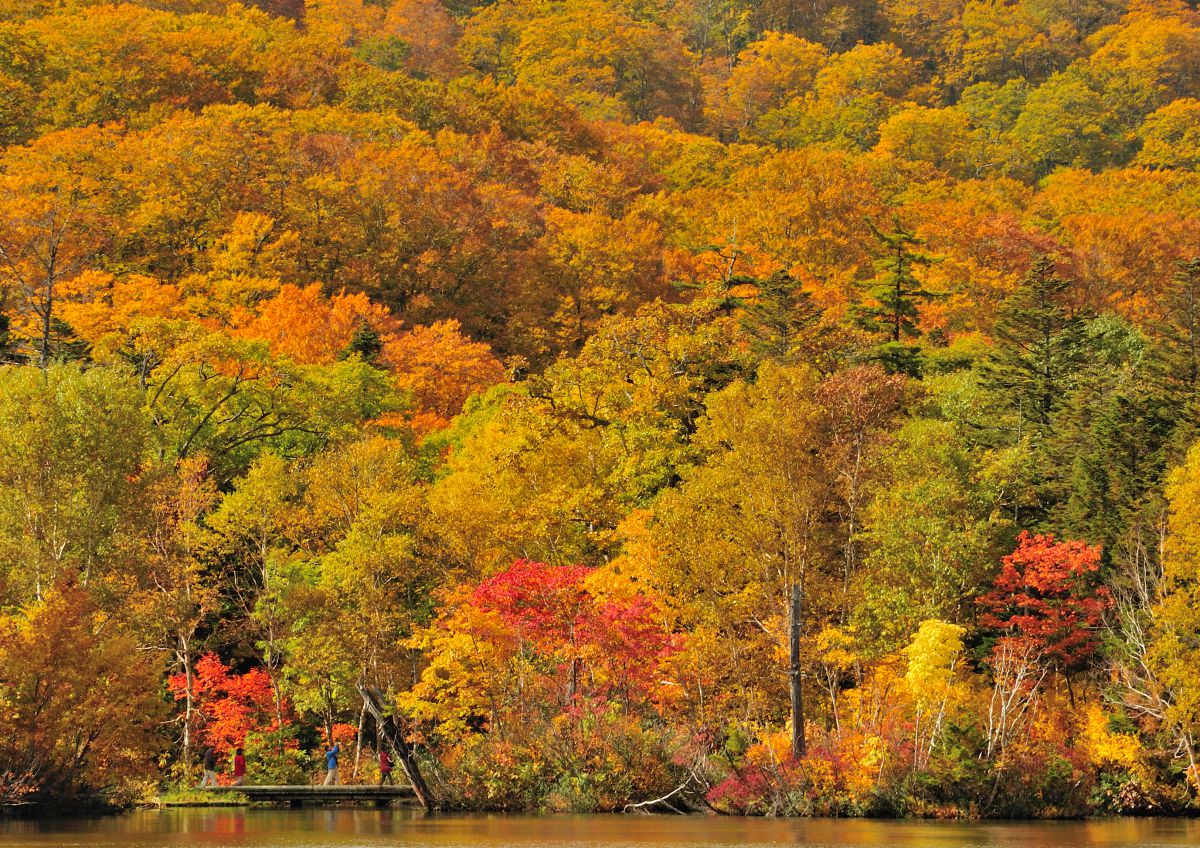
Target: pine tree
<point>1173,359</point>
<point>780,317</point>
<point>1108,450</point>
<point>1039,345</point>
<point>366,343</point>
<point>896,295</point>
<point>1183,320</point>
<point>1181,330</point>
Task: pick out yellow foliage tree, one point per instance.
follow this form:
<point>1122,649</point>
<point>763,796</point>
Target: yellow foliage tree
<point>933,658</point>
<point>1175,655</point>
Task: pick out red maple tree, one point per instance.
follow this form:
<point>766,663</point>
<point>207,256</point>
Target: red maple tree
<point>1048,593</point>
<point>543,604</point>
<point>231,705</point>
<point>550,610</point>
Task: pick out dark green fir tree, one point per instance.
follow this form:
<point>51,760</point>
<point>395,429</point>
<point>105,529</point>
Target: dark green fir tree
<point>894,297</point>
<point>780,318</point>
<point>1039,346</point>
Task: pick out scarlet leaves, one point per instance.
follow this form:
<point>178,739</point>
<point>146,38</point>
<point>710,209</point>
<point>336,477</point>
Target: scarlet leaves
<point>231,705</point>
<point>1048,594</point>
<point>549,610</point>
<point>541,603</point>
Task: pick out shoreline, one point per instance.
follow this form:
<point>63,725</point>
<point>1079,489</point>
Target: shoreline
<point>102,810</point>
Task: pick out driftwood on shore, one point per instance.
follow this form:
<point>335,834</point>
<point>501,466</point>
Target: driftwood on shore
<point>661,804</point>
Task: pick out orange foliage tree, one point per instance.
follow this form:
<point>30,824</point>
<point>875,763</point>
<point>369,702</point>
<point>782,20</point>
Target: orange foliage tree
<point>309,328</point>
<point>78,702</point>
<point>442,368</point>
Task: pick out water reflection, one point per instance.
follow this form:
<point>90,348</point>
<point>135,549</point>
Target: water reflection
<point>242,828</point>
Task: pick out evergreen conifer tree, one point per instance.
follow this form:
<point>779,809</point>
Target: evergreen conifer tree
<point>1039,345</point>
<point>895,295</point>
<point>366,343</point>
<point>780,317</point>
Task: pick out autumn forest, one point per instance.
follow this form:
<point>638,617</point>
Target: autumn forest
<point>524,361</point>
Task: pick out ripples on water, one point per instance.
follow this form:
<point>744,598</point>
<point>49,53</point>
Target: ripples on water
<point>218,828</point>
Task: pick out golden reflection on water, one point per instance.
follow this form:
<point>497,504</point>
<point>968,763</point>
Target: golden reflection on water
<point>370,828</point>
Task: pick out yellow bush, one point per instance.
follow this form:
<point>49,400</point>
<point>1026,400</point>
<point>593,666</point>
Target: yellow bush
<point>1106,748</point>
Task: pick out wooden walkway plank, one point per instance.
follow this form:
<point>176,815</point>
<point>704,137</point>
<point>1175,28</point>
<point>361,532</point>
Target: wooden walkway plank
<point>317,795</point>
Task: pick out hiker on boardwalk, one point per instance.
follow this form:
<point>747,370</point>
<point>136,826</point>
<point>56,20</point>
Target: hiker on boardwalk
<point>385,768</point>
<point>239,768</point>
<point>210,768</point>
<point>331,765</point>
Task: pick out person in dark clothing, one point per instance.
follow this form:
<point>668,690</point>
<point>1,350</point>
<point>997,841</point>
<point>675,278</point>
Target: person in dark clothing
<point>210,768</point>
<point>385,768</point>
<point>239,768</point>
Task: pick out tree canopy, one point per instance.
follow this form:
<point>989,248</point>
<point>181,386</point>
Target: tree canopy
<point>523,360</point>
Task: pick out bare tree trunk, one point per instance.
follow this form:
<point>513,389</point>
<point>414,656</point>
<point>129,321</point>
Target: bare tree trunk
<point>277,693</point>
<point>849,558</point>
<point>393,736</point>
<point>184,655</point>
<point>795,610</point>
<point>1193,772</point>
<point>358,743</point>
<point>47,318</point>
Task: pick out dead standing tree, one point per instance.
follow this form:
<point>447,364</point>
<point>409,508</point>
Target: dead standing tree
<point>795,610</point>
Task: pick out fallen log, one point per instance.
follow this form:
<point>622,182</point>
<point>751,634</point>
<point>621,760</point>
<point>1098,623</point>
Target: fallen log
<point>664,801</point>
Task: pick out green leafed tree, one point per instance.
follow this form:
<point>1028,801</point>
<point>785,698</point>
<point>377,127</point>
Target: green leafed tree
<point>72,444</point>
<point>930,531</point>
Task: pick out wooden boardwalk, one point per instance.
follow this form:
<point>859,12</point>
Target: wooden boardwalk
<point>319,796</point>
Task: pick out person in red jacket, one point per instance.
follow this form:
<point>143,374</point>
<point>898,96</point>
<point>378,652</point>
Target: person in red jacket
<point>385,768</point>
<point>239,768</point>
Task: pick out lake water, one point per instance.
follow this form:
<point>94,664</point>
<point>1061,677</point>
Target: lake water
<point>217,828</point>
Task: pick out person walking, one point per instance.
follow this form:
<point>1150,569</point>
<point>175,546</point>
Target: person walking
<point>239,768</point>
<point>331,765</point>
<point>385,768</point>
<point>210,768</point>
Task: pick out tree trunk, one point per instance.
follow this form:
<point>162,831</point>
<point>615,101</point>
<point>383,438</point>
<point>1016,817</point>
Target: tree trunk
<point>184,656</point>
<point>278,696</point>
<point>358,742</point>
<point>47,321</point>
<point>393,736</point>
<point>795,611</point>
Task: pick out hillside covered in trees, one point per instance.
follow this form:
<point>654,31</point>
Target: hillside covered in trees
<point>519,358</point>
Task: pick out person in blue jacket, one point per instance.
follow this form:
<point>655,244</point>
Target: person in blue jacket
<point>331,765</point>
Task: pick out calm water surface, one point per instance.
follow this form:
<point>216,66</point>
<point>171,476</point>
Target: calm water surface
<point>218,828</point>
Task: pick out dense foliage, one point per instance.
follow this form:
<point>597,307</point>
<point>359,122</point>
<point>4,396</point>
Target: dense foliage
<point>517,359</point>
